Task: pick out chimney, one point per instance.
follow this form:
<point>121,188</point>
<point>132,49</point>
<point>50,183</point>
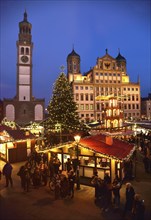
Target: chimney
<point>109,140</point>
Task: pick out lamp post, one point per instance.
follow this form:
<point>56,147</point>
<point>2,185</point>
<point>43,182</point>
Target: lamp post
<point>77,140</point>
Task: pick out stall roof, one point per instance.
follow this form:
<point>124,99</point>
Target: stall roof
<point>20,135</point>
<point>120,150</point>
<point>17,134</point>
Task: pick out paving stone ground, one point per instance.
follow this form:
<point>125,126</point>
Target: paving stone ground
<point>39,204</point>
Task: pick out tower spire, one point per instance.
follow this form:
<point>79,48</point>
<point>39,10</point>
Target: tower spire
<point>25,15</point>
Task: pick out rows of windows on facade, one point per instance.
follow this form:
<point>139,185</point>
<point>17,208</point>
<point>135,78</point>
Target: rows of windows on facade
<point>108,77</point>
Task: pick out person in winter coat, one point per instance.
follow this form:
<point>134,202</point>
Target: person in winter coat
<point>116,186</point>
<point>7,172</point>
<point>129,198</point>
<point>138,208</point>
<point>71,179</point>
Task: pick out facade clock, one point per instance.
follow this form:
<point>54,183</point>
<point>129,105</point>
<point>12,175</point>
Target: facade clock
<point>24,59</point>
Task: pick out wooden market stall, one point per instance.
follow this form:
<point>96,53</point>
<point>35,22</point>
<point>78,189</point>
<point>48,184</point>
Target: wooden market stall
<point>100,152</point>
<point>15,144</point>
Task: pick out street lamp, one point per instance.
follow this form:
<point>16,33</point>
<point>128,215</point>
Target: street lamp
<point>77,140</point>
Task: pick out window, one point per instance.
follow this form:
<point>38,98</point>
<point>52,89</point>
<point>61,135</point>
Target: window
<point>98,116</point>
<point>77,97</point>
<point>87,107</point>
<point>96,74</point>
<point>105,74</point>
<point>82,115</point>
<point>22,50</point>
<point>91,97</point>
<point>86,97</point>
<point>81,87</point>
<point>27,51</point>
<point>129,106</point>
<point>81,97</point>
<point>97,81</point>
<point>82,107</point>
<point>86,88</point>
<point>128,89</point>
<point>74,66</point>
<point>91,107</point>
<point>98,106</point>
<point>76,87</point>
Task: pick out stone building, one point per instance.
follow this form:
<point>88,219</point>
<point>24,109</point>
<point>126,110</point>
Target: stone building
<point>108,77</point>
<point>146,107</point>
<point>24,108</point>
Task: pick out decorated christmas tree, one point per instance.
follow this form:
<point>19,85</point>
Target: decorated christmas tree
<point>62,109</point>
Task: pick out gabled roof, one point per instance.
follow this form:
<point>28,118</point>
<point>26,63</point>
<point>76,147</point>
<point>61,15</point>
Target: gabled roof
<point>16,134</point>
<point>107,57</point>
<point>4,128</point>
<point>118,149</point>
<point>20,135</point>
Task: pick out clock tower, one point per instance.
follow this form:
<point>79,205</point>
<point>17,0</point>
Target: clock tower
<point>24,108</point>
<point>24,61</point>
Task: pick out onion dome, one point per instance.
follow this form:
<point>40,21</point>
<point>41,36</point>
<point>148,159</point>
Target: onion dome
<point>120,58</point>
<point>73,54</point>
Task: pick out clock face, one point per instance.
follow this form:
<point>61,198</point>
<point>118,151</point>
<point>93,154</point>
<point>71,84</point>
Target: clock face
<point>24,59</point>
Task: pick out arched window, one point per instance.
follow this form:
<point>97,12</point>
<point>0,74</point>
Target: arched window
<point>38,112</point>
<point>22,50</point>
<point>10,112</point>
<point>27,50</point>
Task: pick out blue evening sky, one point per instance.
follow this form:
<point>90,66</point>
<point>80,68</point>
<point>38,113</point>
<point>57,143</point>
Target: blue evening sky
<point>91,26</point>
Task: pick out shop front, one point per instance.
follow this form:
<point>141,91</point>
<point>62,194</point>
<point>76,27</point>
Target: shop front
<point>99,152</point>
<point>15,145</point>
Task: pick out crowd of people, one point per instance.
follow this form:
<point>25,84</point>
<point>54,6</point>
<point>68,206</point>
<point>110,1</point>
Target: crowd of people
<point>107,194</point>
<point>37,172</point>
<point>48,174</point>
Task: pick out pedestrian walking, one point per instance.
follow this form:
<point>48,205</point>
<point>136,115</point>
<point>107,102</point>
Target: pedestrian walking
<point>116,186</point>
<point>146,163</point>
<point>68,165</point>
<point>138,209</point>
<point>71,180</point>
<point>129,198</point>
<point>7,172</point>
<point>21,174</point>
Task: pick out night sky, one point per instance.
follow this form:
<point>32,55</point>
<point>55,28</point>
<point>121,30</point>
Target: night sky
<point>91,26</point>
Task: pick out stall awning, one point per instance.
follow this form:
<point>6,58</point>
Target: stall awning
<point>119,150</point>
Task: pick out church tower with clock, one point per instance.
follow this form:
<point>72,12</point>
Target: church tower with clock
<point>24,108</point>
